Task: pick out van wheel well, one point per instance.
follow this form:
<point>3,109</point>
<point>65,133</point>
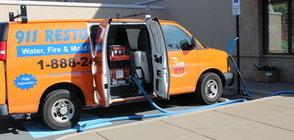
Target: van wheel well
<point>71,87</point>
<point>219,73</point>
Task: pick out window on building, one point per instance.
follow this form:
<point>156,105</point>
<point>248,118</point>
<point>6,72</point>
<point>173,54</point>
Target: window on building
<point>175,36</point>
<point>279,23</point>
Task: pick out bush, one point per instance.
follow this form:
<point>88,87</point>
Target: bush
<point>265,68</point>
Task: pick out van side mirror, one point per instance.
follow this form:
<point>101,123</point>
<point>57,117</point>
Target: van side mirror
<point>185,45</point>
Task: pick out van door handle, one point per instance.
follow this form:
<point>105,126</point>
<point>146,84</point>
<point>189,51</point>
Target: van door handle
<point>158,59</point>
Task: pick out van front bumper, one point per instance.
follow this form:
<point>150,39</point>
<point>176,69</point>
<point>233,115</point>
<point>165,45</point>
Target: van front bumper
<point>3,110</point>
<point>229,78</point>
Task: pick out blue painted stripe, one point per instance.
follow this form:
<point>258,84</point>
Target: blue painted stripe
<point>53,49</point>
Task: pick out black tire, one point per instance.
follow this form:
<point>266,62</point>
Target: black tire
<point>61,110</point>
<point>209,88</point>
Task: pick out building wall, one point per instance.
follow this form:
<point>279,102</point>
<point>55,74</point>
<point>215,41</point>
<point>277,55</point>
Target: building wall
<point>250,37</point>
<point>211,21</point>
<point>98,1</point>
<point>50,12</point>
<point>159,3</point>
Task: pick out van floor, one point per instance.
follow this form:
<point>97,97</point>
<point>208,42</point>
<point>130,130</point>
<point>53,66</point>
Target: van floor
<point>123,92</point>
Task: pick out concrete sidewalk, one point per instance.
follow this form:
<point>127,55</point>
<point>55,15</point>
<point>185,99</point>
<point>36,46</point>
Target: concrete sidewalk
<point>268,88</point>
<point>267,118</point>
<point>259,89</point>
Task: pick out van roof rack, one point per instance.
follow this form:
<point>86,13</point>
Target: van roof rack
<point>22,15</point>
<point>147,14</point>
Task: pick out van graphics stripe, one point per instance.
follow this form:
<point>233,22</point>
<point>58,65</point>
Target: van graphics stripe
<point>53,49</point>
<point>25,81</point>
<point>178,67</point>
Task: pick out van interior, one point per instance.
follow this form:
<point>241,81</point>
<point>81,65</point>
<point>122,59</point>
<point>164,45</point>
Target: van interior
<point>128,54</point>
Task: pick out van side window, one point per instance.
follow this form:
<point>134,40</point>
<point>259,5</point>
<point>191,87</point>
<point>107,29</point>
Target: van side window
<point>174,36</point>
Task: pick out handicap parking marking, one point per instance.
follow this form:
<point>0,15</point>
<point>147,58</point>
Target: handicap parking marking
<point>38,130</point>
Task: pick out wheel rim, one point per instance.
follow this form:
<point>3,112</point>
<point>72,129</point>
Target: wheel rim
<point>211,89</point>
<point>62,110</point>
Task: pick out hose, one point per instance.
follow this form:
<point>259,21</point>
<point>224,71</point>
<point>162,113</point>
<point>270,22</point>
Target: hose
<point>167,112</point>
<point>164,111</point>
<point>83,127</point>
<point>141,90</point>
<point>280,92</point>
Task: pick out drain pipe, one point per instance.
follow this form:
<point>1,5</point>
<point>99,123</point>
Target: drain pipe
<point>76,4</point>
<point>146,2</point>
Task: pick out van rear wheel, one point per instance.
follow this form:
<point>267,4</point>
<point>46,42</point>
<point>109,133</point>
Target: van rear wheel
<point>209,88</point>
<point>61,110</point>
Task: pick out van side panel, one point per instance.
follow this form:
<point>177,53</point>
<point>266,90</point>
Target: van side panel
<point>213,59</point>
<point>184,72</point>
<point>183,67</point>
<point>2,83</point>
<point>40,55</point>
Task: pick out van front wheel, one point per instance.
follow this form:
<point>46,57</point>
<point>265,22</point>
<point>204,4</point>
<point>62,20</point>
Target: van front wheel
<point>61,110</point>
<point>209,88</point>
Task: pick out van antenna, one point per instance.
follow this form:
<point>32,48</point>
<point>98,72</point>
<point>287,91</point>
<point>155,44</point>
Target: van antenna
<point>22,15</point>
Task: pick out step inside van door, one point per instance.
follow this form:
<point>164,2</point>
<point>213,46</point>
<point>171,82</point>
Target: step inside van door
<point>100,68</point>
<point>159,58</point>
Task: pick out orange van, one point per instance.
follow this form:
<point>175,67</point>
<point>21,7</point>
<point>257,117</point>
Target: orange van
<point>57,67</point>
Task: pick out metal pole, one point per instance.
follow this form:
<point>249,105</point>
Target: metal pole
<point>238,53</point>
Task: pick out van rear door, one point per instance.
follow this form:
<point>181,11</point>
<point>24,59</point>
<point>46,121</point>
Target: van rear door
<point>99,65</point>
<point>159,58</point>
<point>3,45</point>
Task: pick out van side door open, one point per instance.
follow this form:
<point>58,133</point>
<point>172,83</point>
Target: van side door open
<point>100,68</point>
<point>159,58</point>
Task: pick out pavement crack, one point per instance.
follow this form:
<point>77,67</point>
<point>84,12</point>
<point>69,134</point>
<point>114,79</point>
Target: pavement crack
<point>255,121</point>
<point>102,136</point>
<point>277,105</point>
<point>187,129</point>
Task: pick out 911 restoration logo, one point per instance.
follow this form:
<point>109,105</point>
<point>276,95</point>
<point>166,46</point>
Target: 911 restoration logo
<point>179,67</point>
